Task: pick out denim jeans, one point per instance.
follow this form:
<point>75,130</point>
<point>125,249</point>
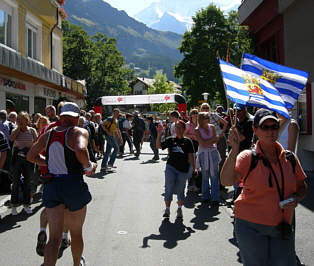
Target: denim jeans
<point>174,183</point>
<point>111,144</point>
<point>21,166</point>
<point>214,180</point>
<point>152,141</point>
<point>261,245</point>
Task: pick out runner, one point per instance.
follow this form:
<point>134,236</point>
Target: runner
<point>65,195</point>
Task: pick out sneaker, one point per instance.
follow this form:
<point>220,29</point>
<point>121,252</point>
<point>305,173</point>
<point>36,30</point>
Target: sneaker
<point>167,213</point>
<point>179,213</point>
<point>27,209</point>
<point>14,211</point>
<point>41,243</point>
<point>82,261</point>
<point>155,158</point>
<point>111,166</point>
<point>65,243</point>
<point>215,204</point>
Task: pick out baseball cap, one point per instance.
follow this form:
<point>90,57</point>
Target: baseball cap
<point>238,106</point>
<point>70,109</point>
<point>262,115</point>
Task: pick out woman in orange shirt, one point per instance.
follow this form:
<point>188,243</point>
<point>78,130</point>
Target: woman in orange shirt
<point>263,227</point>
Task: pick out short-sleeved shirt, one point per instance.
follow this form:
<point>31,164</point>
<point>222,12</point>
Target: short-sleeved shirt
<point>4,145</point>
<point>259,200</point>
<point>111,124</point>
<point>179,150</point>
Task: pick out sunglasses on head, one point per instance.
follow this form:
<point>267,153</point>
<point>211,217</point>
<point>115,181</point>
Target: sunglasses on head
<point>270,127</point>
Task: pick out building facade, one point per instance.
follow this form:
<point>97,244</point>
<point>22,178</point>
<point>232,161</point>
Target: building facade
<point>31,57</point>
<point>284,34</point>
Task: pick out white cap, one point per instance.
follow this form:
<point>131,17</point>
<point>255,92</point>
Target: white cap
<point>70,109</point>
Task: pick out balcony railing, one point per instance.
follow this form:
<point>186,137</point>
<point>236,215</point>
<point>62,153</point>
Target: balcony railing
<point>12,59</point>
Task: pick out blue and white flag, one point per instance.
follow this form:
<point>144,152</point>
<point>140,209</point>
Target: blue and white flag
<point>288,81</point>
<point>244,88</point>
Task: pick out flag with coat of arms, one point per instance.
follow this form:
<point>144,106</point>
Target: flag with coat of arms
<point>288,81</point>
<point>244,88</point>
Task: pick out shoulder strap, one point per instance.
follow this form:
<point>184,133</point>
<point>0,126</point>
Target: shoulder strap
<point>291,158</point>
<point>254,161</point>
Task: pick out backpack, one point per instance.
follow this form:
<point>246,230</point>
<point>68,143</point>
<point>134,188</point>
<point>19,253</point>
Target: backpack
<point>120,124</point>
<point>139,124</point>
<point>255,158</point>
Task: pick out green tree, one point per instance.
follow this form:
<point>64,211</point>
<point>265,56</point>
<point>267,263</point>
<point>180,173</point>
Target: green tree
<point>95,59</point>
<point>110,74</point>
<point>211,33</point>
<point>78,52</point>
<point>161,86</point>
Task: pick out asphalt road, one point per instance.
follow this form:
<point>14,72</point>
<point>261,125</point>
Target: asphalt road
<point>124,224</point>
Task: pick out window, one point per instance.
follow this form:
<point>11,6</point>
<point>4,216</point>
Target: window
<point>5,28</point>
<point>33,28</point>
<point>32,50</point>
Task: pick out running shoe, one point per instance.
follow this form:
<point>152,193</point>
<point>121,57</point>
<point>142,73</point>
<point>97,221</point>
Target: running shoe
<point>65,243</point>
<point>179,213</point>
<point>82,261</point>
<point>111,166</point>
<point>166,213</point>
<point>41,243</point>
<point>28,209</point>
<point>14,211</point>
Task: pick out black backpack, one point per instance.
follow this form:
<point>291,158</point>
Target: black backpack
<point>255,158</point>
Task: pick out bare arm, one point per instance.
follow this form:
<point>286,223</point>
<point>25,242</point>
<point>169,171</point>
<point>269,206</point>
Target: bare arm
<point>207,142</point>
<point>34,155</point>
<point>225,125</point>
<point>228,176</point>
<point>293,131</point>
<point>160,131</point>
<point>192,161</point>
<point>14,134</point>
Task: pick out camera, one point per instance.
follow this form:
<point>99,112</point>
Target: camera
<point>285,230</point>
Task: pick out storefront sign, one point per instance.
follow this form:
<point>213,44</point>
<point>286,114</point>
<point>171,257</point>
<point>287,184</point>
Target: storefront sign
<point>12,84</point>
<point>47,93</point>
<point>50,93</point>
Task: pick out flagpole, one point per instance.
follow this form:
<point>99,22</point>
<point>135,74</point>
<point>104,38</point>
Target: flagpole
<point>228,102</point>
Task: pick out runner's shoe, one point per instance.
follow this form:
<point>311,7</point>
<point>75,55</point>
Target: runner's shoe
<point>28,209</point>
<point>65,243</point>
<point>41,243</point>
<point>82,261</point>
<point>166,213</point>
<point>14,211</point>
<point>179,213</point>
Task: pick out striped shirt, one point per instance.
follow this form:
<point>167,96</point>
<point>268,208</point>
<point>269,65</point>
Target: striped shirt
<point>25,139</point>
<point>4,146</point>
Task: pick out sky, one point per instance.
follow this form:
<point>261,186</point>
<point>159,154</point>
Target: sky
<point>132,7</point>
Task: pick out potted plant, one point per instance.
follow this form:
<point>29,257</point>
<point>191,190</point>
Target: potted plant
<point>61,2</point>
<point>62,13</point>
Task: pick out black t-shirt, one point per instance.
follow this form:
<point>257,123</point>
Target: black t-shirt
<point>178,152</point>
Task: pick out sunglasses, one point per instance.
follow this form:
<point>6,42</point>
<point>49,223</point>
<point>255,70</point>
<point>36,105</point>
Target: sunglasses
<point>271,127</point>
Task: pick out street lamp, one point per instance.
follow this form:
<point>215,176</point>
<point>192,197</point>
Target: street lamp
<point>205,95</point>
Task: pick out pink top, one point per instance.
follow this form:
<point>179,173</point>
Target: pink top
<point>191,130</point>
<point>206,136</point>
